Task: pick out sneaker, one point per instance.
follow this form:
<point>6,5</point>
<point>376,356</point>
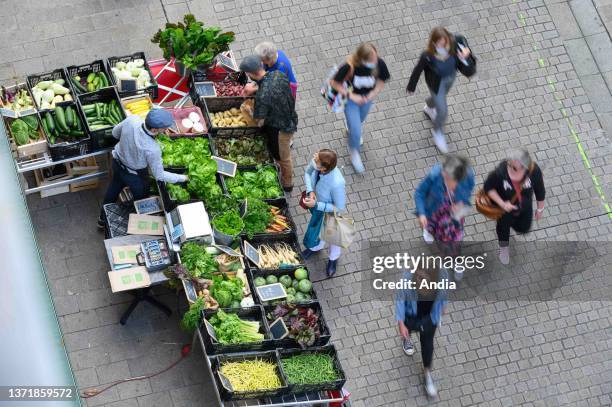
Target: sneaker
<point>458,274</point>
<point>440,141</point>
<point>430,112</point>
<point>331,268</point>
<point>428,237</point>
<point>101,224</point>
<point>307,253</point>
<point>504,255</point>
<point>356,161</point>
<point>408,347</point>
<point>430,387</point>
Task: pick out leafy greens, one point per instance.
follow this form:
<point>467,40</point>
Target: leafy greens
<point>230,329</point>
<point>199,263</point>
<point>257,218</point>
<point>262,183</point>
<point>229,223</point>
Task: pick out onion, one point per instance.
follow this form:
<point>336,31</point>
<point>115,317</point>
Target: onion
<point>187,124</point>
<point>194,117</point>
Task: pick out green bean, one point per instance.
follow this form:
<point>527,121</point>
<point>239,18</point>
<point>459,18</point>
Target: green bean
<point>309,368</point>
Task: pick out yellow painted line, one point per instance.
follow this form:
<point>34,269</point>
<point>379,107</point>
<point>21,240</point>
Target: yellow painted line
<point>575,135</point>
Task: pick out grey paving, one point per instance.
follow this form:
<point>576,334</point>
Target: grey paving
<point>488,353</point>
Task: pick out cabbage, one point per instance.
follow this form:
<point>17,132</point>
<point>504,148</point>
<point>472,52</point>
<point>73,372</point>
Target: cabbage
<point>135,72</point>
<point>120,65</point>
<point>48,95</point>
<point>139,62</point>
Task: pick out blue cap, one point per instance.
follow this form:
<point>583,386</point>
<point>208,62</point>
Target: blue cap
<point>159,119</point>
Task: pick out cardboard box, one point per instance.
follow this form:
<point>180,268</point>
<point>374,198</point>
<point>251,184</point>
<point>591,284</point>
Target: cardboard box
<point>145,225</point>
<point>129,279</point>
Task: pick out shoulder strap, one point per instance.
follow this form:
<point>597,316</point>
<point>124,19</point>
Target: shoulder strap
<point>531,169</point>
<point>350,72</point>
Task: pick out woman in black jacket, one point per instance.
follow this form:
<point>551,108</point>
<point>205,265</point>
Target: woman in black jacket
<point>512,186</point>
<point>445,55</point>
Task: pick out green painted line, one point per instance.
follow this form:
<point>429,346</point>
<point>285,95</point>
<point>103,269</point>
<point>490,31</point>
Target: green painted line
<point>541,62</point>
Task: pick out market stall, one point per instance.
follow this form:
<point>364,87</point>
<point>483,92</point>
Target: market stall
<point>226,237</point>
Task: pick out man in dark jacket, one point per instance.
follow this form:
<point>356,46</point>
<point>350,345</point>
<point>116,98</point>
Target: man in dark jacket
<point>275,110</point>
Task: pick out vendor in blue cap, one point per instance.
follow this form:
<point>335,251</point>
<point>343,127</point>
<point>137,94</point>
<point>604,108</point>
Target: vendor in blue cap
<point>135,154</point>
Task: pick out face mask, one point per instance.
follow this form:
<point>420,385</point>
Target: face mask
<point>443,52</point>
<point>370,65</point>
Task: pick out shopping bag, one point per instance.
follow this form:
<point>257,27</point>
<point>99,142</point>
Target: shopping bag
<point>338,230</point>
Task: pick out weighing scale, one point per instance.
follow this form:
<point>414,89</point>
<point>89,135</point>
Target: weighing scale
<point>188,222</point>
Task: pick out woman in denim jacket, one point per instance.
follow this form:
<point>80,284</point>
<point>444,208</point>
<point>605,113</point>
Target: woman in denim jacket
<point>325,192</point>
<point>420,309</point>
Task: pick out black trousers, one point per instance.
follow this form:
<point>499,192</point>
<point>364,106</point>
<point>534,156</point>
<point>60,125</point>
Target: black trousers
<point>138,184</point>
<point>271,137</point>
<point>521,223</point>
<point>426,331</point>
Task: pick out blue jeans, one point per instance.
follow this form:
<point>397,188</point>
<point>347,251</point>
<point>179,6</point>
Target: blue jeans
<point>438,101</point>
<point>138,184</point>
<point>355,115</point>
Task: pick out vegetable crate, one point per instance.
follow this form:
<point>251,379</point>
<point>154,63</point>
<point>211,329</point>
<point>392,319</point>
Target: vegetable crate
<point>255,313</point>
<point>33,80</point>
<point>324,332</point>
<point>246,151</point>
<point>216,105</point>
<point>283,206</point>
<point>179,136</point>
<point>169,203</point>
<point>272,241</point>
<point>220,81</point>
<point>62,148</point>
<point>101,134</point>
<point>229,394</point>
<point>151,89</point>
<point>9,101</point>
<point>93,76</point>
<point>255,273</point>
<point>254,169</point>
<point>329,350</point>
<point>32,146</point>
<point>182,113</point>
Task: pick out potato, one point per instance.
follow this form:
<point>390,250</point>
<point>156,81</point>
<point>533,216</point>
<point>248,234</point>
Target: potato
<point>234,110</point>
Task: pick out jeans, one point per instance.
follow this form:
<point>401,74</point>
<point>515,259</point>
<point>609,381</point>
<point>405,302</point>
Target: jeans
<point>438,101</point>
<point>520,223</point>
<point>355,115</point>
<point>426,337</point>
<point>138,184</point>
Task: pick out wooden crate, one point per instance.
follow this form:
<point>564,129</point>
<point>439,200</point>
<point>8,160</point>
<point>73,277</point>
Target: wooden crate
<point>43,177</point>
<point>32,148</point>
<point>81,167</point>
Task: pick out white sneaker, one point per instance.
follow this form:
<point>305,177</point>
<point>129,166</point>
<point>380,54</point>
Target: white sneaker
<point>430,387</point>
<point>440,141</point>
<point>431,112</point>
<point>428,237</point>
<point>504,255</point>
<point>356,161</point>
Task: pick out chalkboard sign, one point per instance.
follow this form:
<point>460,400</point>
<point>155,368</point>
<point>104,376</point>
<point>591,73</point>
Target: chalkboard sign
<point>227,62</point>
<point>128,85</point>
<point>271,292</point>
<point>210,329</point>
<point>190,291</point>
<point>148,206</point>
<point>228,250</point>
<point>225,167</point>
<point>278,329</point>
<point>225,382</point>
<point>8,113</point>
<point>251,253</point>
<point>205,89</point>
<point>27,112</point>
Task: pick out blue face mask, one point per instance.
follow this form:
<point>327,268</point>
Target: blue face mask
<point>443,52</point>
<point>370,65</point>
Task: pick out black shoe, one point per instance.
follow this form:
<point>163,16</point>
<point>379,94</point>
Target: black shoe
<point>306,254</point>
<point>288,189</point>
<point>331,267</point>
<point>101,224</point>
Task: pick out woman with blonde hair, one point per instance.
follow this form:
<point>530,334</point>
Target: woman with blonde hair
<point>445,55</point>
<point>359,81</point>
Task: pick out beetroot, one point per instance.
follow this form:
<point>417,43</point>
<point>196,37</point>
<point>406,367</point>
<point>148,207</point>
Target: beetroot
<point>226,88</point>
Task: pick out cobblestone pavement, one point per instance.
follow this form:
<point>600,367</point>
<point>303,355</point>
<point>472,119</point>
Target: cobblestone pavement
<point>527,91</point>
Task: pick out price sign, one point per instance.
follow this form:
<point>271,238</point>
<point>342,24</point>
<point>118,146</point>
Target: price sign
<point>190,291</point>
<point>225,382</point>
<point>128,85</point>
<point>278,329</point>
<point>251,253</point>
<point>225,167</point>
<point>228,250</point>
<point>27,112</point>
<point>271,292</point>
<point>211,330</point>
<point>205,89</point>
<point>227,62</point>
<point>8,113</point>
<point>148,205</point>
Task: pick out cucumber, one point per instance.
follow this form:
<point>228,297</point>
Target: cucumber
<point>60,118</point>
<point>96,82</point>
<point>76,133</point>
<point>50,122</point>
<point>44,125</point>
<point>98,113</point>
<point>103,79</point>
<point>77,121</point>
<point>77,84</point>
<point>69,117</point>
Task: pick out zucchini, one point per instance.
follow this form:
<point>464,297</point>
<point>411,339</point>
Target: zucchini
<point>77,84</point>
<point>44,125</point>
<point>50,123</point>
<point>89,108</point>
<point>77,121</point>
<point>98,113</point>
<point>76,133</point>
<point>103,79</point>
<point>69,117</point>
<point>60,118</point>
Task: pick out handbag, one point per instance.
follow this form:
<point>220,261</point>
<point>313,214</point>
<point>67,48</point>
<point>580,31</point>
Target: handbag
<point>302,198</point>
<point>338,230</point>
<point>335,101</point>
<point>486,206</point>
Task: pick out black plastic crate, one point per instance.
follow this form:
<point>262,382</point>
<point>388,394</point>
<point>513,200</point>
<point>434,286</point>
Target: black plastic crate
<point>54,75</point>
<point>271,240</point>
<point>197,77</point>
<point>253,169</point>
<point>66,149</point>
<point>83,71</point>
<point>283,206</point>
<point>327,386</point>
<point>271,356</point>
<point>324,331</point>
<point>222,139</point>
<point>151,89</point>
<point>188,136</point>
<point>221,104</point>
<point>116,217</point>
<point>101,138</point>
<point>254,313</point>
<point>255,272</point>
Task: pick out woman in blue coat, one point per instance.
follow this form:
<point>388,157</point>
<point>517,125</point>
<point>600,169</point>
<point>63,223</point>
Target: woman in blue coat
<point>325,192</point>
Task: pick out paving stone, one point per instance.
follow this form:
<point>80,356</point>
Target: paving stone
<point>581,57</point>
<point>601,48</point>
